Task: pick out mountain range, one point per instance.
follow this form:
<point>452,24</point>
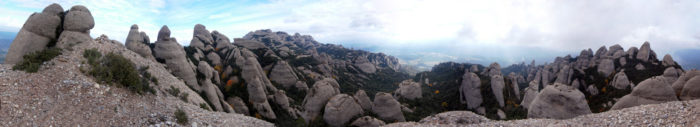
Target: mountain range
<point>59,75</point>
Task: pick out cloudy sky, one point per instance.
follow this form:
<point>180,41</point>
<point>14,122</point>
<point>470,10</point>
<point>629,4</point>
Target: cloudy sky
<point>419,32</point>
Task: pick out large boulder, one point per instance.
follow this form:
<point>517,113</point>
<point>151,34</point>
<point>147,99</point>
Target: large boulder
<point>70,38</point>
<point>530,93</point>
<point>654,90</point>
<point>668,60</point>
<point>201,37</point>
<point>565,74</point>
<point>256,83</point>
<point>687,87</point>
<point>408,89</point>
<point>558,101</point>
<point>138,42</point>
<point>209,89</point>
<point>341,109</point>
<point>238,105</point>
<point>515,80</point>
<point>606,67</point>
<point>362,98</point>
<point>220,40</point>
<point>283,74</point>
<point>455,118</point>
<point>281,99</point>
<point>36,33</point>
<point>367,121</point>
<point>214,58</point>
<point>683,80</point>
<point>671,74</point>
<point>317,97</point>
<point>469,91</point>
<point>167,50</point>
<point>78,19</point>
<point>497,85</point>
<point>258,98</point>
<point>644,52</point>
<point>620,81</point>
<point>691,89</point>
<point>387,108</point>
<point>362,63</point>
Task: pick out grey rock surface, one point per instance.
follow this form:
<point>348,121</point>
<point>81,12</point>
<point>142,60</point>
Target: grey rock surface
<point>644,52</point>
<point>469,90</point>
<point>387,108</point>
<point>650,91</point>
<point>172,53</point>
<point>409,89</point>
<point>558,101</point>
<point>36,33</point>
<point>340,109</point>
<point>497,85</point>
<point>283,74</point>
<point>362,99</point>
<point>138,42</point>
<point>317,97</point>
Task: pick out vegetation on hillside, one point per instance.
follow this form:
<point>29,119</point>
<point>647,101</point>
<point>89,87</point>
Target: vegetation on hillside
<point>114,68</point>
<point>32,61</point>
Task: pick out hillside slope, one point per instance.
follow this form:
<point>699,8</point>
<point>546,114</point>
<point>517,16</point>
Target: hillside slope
<point>61,95</point>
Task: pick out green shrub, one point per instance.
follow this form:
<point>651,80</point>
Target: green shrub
<point>114,68</point>
<point>33,61</point>
<point>204,106</point>
<point>184,97</point>
<point>174,91</point>
<point>181,116</point>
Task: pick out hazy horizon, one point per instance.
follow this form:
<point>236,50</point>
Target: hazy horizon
<point>421,33</point>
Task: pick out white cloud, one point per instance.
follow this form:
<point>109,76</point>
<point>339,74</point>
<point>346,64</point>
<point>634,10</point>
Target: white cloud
<point>500,30</point>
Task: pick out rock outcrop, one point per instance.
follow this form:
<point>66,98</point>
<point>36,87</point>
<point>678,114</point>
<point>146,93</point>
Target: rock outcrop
<point>671,74</point>
<point>408,89</point>
<point>644,52</point>
<point>683,80</point>
<point>687,87</point>
<point>340,109</point>
<point>283,74</point>
<point>36,34</point>
<point>650,91</point>
<point>469,91</point>
<point>497,85</point>
<point>620,81</point>
<point>668,60</point>
<point>317,97</point>
<point>76,27</point>
<point>138,42</point>
<point>530,93</point>
<point>387,108</point>
<point>606,67</point>
<point>238,105</point>
<point>167,50</point>
<point>362,99</point>
<point>558,101</point>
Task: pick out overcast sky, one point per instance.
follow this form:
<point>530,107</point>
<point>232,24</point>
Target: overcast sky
<point>421,32</point>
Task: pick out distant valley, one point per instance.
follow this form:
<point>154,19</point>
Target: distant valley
<point>5,41</point>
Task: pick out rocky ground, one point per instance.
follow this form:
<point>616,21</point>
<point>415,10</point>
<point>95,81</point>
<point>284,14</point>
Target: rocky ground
<point>61,95</point>
<point>671,114</point>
